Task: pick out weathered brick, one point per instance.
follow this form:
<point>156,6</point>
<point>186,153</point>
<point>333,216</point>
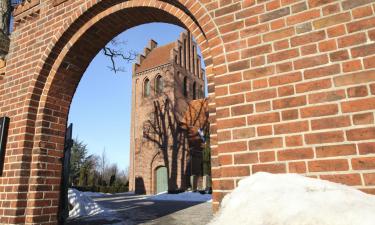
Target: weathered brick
<point>263,118</point>
<point>268,156</point>
<point>244,133</point>
<point>358,105</point>
<point>303,17</point>
<point>359,91</point>
<point>285,79</point>
<point>326,96</point>
<point>331,9</point>
<point>328,165</point>
<point>366,148</point>
<point>258,72</point>
<point>264,130</point>
<point>289,102</point>
<point>335,150</point>
<point>275,14</point>
<point>347,179</point>
<point>295,154</point>
<point>322,71</point>
<point>324,137</point>
<point>362,119</point>
<point>263,106</point>
<point>363,163</point>
<point>290,114</point>
<point>285,91</point>
<point>332,20</point>
<point>232,147</point>
<point>235,171</point>
<point>231,123</point>
<point>292,141</point>
<point>360,25</point>
<point>369,178</point>
<point>321,110</point>
<point>355,78</point>
<point>246,158</point>
<point>297,167</point>
<point>348,4</point>
<point>363,51</point>
<point>332,122</point>
<point>230,100</point>
<point>339,56</point>
<point>267,143</point>
<point>260,95</point>
<point>270,168</point>
<point>313,85</point>
<point>353,65</point>
<point>311,61</point>
<point>307,38</point>
<point>242,109</point>
<point>279,34</point>
<point>351,40</point>
<point>291,127</point>
<point>361,134</point>
<point>283,55</point>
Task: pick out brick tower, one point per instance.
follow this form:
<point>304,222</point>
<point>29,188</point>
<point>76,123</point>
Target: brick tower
<point>165,80</point>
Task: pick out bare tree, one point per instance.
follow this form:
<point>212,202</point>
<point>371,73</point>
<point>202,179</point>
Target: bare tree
<point>113,50</point>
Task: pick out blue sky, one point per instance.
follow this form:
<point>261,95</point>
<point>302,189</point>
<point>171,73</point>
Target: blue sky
<point>100,111</point>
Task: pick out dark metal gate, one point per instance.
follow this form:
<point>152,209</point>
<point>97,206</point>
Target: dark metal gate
<point>64,203</point>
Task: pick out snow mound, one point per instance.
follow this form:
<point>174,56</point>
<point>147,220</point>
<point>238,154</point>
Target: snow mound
<point>291,199</point>
<point>82,204</point>
<point>184,196</point>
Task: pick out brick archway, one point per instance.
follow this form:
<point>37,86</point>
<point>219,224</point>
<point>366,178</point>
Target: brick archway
<point>56,76</point>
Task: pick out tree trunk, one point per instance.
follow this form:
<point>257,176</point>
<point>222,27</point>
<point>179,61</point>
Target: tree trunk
<point>5,12</point>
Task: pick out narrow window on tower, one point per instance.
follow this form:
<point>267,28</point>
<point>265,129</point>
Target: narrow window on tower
<point>195,90</point>
<point>159,84</point>
<point>185,87</point>
<point>146,88</point>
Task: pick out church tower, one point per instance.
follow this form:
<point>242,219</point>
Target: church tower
<point>165,80</point>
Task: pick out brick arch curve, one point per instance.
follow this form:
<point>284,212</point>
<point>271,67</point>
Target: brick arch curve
<point>69,56</point>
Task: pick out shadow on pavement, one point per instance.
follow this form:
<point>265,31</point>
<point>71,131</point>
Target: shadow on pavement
<point>138,209</point>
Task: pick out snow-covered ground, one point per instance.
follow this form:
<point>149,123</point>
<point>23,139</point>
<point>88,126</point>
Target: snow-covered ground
<point>290,199</point>
<point>184,196</point>
<point>96,194</point>
<point>83,205</point>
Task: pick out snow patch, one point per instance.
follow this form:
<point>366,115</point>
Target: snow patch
<point>291,199</point>
<point>96,194</point>
<point>184,196</point>
<point>82,204</point>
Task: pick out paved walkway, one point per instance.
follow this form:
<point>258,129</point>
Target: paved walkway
<point>132,209</point>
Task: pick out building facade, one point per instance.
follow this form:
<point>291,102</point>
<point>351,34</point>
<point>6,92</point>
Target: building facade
<point>165,80</point>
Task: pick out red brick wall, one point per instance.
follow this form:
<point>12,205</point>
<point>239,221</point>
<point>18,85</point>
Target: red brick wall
<point>293,83</point>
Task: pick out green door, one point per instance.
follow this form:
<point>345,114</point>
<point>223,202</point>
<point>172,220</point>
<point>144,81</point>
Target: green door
<point>161,180</point>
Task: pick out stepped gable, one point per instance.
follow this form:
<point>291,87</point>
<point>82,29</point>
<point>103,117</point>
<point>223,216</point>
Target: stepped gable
<point>156,57</point>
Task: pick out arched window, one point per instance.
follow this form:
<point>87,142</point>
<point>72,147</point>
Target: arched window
<point>146,88</point>
<point>159,85</point>
<point>185,54</point>
<point>180,55</point>
<point>185,87</point>
<point>194,90</point>
<point>193,60</point>
<point>198,68</point>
